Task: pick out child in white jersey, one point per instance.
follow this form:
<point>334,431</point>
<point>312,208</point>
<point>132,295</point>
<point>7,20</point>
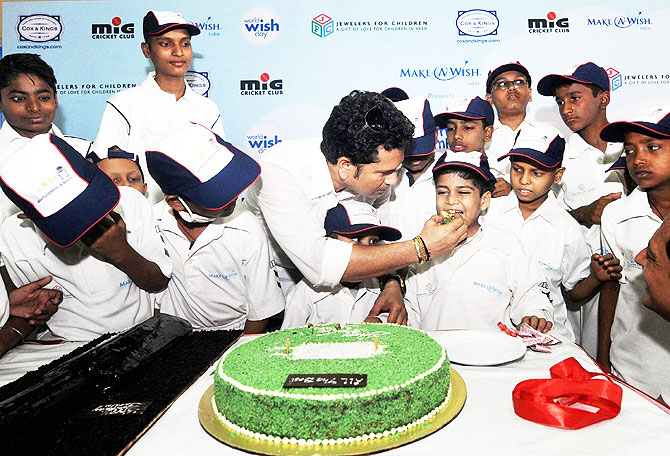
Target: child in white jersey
<point>222,270</point>
<point>122,167</point>
<point>546,230</point>
<point>633,339</point>
<point>489,278</point>
<point>350,302</point>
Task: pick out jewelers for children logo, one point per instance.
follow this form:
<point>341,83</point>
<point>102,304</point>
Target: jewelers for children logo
<point>199,82</point>
<point>551,24</point>
<point>39,28</point>
<point>116,29</point>
<point>615,78</point>
<point>260,25</point>
<point>618,79</point>
<point>323,25</point>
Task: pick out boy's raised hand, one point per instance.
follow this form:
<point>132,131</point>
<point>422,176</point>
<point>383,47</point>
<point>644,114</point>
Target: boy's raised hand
<point>606,267</point>
<point>591,214</point>
<point>502,188</point>
<point>107,238</point>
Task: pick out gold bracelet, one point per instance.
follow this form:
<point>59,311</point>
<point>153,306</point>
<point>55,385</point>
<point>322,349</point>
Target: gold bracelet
<point>420,250</point>
<point>425,248</point>
<point>16,331</point>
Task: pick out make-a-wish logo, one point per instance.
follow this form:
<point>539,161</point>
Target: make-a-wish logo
<point>622,22</point>
<point>442,72</point>
<point>209,27</point>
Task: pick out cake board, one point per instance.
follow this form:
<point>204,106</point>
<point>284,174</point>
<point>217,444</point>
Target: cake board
<point>215,427</point>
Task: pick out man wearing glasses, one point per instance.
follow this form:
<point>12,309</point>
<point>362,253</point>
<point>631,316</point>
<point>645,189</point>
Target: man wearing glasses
<point>358,156</point>
<point>508,90</point>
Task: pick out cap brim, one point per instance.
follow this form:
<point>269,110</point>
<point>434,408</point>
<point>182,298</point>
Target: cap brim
<point>70,223</point>
<point>616,131</point>
<point>441,119</point>
<point>465,166</point>
<point>386,233</point>
<point>547,85</point>
<point>540,158</point>
<point>190,28</point>
<point>617,165</point>
<point>226,186</point>
<point>423,146</point>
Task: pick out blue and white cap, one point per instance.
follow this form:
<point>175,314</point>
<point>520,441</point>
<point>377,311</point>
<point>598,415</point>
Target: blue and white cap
<point>417,110</point>
<point>469,161</point>
<point>654,122</point>
<point>475,109</point>
<point>64,194</point>
<point>114,153</point>
<point>356,218</point>
<point>194,162</point>
<point>542,145</point>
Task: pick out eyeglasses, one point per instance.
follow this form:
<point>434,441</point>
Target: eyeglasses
<point>374,119</point>
<point>504,85</point>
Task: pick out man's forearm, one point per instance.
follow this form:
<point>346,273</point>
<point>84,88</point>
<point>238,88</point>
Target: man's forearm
<point>609,294</point>
<point>144,273</point>
<point>367,262</point>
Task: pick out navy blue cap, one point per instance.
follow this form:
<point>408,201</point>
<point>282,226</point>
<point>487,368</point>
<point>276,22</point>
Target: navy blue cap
<point>395,94</point>
<point>115,152</point>
<point>544,146</point>
<point>477,109</point>
<point>417,110</point>
<point>64,194</point>
<point>356,218</point>
<point>515,66</point>
<point>469,161</point>
<point>588,73</point>
<point>158,22</point>
<point>194,162</point>
<point>619,164</point>
<point>654,122</point>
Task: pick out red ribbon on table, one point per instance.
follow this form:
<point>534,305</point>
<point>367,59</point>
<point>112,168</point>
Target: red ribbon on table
<point>549,401</point>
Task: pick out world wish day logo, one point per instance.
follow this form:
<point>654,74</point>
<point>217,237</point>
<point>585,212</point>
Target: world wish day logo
<point>260,25</point>
<point>260,138</point>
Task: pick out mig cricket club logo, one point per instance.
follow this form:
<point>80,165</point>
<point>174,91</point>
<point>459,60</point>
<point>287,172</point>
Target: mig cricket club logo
<point>116,29</point>
<point>551,24</point>
<point>260,25</point>
<point>264,85</point>
<point>323,25</point>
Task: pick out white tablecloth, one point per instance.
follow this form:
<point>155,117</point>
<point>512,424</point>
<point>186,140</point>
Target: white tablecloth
<point>486,425</point>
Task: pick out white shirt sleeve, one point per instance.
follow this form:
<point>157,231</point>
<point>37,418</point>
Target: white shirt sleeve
<point>114,130</point>
<point>299,306</point>
<point>576,262</point>
<point>263,294</point>
<point>136,211</point>
<point>218,127</point>
<point>4,305</point>
<point>298,230</point>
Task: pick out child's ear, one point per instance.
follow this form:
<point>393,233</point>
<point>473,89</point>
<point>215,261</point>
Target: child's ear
<point>559,175</point>
<point>173,202</point>
<point>145,50</point>
<point>488,133</point>
<point>485,201</point>
<point>489,98</point>
<point>145,190</point>
<point>604,100</point>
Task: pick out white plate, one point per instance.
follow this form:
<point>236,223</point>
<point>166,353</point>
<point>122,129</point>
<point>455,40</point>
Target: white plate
<point>479,348</point>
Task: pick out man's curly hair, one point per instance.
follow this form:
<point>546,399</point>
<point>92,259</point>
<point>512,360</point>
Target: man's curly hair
<point>345,134</point>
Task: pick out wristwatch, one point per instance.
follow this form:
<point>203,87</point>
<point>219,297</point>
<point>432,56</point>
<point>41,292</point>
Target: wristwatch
<point>398,277</point>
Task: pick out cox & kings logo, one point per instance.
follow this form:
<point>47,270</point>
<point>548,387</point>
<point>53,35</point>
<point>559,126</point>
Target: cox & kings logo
<point>262,86</point>
<point>442,73</point>
<point>549,25</point>
<point>260,25</point>
<point>323,25</point>
<point>113,31</point>
<point>199,82</point>
<point>39,28</point>
<point>477,22</point>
